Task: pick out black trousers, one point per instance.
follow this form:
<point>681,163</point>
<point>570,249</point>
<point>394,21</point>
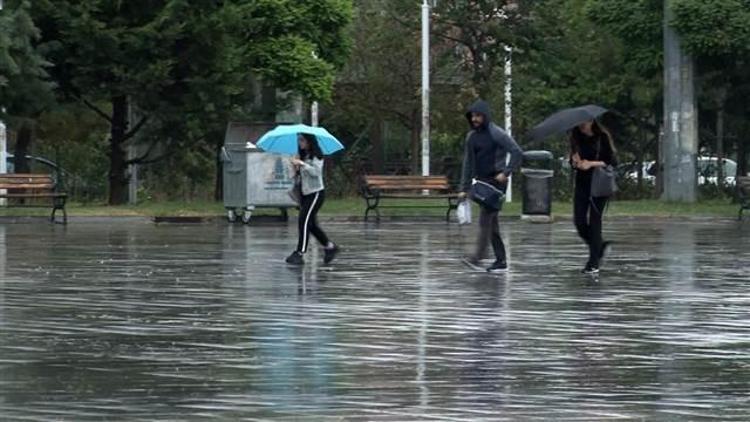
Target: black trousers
<point>489,229</point>
<point>489,232</point>
<point>587,216</point>
<point>308,220</point>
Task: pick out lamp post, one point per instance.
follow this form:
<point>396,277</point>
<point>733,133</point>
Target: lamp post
<point>3,142</point>
<point>425,88</point>
<point>509,111</point>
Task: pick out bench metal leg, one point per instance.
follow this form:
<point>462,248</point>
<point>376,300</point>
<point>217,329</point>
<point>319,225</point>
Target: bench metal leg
<point>372,204</point>
<point>452,205</point>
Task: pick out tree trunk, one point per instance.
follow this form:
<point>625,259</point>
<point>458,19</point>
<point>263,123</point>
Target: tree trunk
<point>720,146</point>
<point>218,136</point>
<point>23,145</point>
<point>219,186</point>
<point>118,179</point>
<point>742,168</point>
<point>376,140</point>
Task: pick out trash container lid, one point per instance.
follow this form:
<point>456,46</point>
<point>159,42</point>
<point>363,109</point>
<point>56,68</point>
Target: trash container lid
<point>538,173</point>
<point>537,155</point>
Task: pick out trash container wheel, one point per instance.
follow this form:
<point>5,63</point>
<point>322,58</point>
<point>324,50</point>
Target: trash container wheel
<point>231,216</point>
<point>246,215</point>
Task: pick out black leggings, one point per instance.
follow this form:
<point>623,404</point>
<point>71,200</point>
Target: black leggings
<point>308,220</point>
<point>587,216</point>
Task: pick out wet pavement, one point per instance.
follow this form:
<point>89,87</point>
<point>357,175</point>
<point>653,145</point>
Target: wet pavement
<point>136,321</point>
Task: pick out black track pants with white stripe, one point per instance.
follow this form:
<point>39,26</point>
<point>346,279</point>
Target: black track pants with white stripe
<point>308,220</point>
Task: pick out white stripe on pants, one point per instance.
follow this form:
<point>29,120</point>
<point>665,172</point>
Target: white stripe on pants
<point>306,232</point>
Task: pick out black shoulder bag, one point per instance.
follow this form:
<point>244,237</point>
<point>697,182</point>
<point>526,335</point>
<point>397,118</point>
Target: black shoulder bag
<point>603,180</point>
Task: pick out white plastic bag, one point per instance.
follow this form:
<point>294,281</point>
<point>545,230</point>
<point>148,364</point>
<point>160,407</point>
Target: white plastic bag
<point>463,212</point>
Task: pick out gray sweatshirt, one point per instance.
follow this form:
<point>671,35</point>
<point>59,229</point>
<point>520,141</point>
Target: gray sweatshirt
<point>311,176</point>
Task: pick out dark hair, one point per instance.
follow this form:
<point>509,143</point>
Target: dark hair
<point>576,136</point>
<point>314,149</point>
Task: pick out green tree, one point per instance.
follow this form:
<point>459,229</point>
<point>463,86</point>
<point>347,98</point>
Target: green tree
<point>481,31</point>
<point>181,62</point>
<point>25,88</point>
<point>717,33</point>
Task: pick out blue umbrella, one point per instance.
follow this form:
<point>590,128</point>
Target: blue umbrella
<point>283,139</point>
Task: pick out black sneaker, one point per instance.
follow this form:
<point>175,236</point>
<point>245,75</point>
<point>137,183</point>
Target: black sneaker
<point>472,263</point>
<point>590,269</point>
<point>498,267</point>
<point>295,259</point>
<point>330,253</point>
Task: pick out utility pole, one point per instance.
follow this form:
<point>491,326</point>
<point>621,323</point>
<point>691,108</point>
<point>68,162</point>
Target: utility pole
<point>680,142</point>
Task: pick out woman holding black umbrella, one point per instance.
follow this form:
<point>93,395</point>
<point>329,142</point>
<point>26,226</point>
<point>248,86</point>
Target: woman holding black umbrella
<point>591,146</point>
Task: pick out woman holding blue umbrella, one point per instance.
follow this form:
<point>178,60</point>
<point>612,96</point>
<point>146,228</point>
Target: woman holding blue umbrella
<point>308,165</point>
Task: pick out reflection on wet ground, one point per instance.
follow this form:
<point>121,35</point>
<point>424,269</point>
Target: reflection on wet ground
<point>167,322</point>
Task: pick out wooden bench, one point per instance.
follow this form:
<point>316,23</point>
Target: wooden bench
<point>378,187</point>
<point>743,193</point>
<point>22,189</point>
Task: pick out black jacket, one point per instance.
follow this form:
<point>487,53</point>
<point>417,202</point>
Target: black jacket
<point>486,149</point>
<point>595,148</point>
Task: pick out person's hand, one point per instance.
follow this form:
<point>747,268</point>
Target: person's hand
<point>575,159</point>
<point>296,161</point>
<point>462,195</point>
<point>502,178</point>
<point>584,165</point>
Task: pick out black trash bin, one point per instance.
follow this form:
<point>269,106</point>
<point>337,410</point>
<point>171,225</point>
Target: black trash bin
<point>537,185</point>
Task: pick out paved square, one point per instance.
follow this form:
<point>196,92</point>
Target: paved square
<point>125,320</point>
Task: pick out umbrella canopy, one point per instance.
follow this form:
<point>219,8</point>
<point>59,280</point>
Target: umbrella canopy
<point>283,139</point>
<point>565,120</point>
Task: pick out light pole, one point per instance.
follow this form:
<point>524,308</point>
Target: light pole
<point>425,88</point>
<point>3,142</point>
<point>509,111</point>
<point>314,113</point>
<point>314,106</point>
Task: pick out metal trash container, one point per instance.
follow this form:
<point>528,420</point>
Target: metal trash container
<point>537,186</point>
<point>252,178</point>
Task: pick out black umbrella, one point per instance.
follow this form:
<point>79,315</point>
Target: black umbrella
<point>565,120</point>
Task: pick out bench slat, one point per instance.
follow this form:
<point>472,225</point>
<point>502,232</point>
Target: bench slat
<point>26,186</point>
<point>406,196</point>
<point>33,195</point>
<point>409,187</point>
<point>379,177</point>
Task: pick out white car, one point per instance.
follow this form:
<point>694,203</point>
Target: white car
<point>708,170</point>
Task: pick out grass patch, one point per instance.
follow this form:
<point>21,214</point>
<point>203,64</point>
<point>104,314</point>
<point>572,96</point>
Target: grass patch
<point>354,206</point>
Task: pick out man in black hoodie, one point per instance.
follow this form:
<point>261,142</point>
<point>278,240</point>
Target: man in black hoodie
<point>485,154</point>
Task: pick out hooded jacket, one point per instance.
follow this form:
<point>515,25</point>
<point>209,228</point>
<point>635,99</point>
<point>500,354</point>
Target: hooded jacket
<point>486,149</point>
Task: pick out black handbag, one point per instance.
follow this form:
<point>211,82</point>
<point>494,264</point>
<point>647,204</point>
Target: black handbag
<point>603,182</point>
<point>487,195</point>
